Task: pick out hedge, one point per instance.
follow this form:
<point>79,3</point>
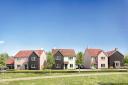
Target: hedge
<point>65,71</point>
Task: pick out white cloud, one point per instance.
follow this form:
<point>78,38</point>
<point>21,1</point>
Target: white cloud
<point>2,42</point>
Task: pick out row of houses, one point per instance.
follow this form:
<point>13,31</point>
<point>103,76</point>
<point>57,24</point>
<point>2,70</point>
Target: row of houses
<point>65,59</point>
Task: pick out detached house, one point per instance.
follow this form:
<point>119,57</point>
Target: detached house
<point>95,58</point>
<point>115,59</point>
<point>64,58</point>
<point>30,60</point>
<point>10,63</point>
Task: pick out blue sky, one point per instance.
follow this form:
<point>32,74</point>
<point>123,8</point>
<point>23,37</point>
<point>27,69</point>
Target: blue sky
<point>34,24</point>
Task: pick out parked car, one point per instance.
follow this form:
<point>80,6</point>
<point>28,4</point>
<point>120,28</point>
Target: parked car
<point>3,69</point>
<point>80,67</point>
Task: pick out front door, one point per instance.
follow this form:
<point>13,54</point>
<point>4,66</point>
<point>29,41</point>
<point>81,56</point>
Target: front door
<point>65,65</point>
<point>26,66</point>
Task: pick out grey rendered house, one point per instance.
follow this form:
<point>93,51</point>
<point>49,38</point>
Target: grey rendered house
<point>115,59</point>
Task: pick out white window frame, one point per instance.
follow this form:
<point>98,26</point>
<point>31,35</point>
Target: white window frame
<point>102,58</point>
<point>102,66</point>
<point>58,57</point>
<point>93,59</point>
<point>71,65</point>
<point>70,58</point>
<point>33,58</point>
<point>58,66</point>
<point>33,65</point>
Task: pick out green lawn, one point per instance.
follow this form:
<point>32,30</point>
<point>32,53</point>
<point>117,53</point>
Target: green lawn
<point>21,75</point>
<point>91,80</point>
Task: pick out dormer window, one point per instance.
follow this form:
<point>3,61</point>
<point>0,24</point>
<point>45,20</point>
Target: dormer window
<point>33,58</point>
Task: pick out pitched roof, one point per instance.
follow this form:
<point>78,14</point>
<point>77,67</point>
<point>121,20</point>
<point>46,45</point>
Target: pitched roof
<point>109,53</point>
<point>93,52</point>
<point>65,52</point>
<point>27,53</point>
<point>24,53</point>
<point>10,60</point>
<point>39,52</point>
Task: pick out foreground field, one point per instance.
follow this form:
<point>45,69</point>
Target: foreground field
<point>35,73</point>
<point>116,79</point>
<point>19,75</point>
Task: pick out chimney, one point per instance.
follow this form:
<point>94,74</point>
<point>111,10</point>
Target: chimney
<point>116,49</point>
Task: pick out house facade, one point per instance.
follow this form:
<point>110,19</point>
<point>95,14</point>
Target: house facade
<point>95,58</point>
<point>30,60</point>
<point>115,59</point>
<point>64,58</point>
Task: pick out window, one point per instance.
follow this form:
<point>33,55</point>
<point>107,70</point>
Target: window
<point>33,66</point>
<point>58,57</point>
<point>33,58</point>
<point>71,65</point>
<point>117,64</point>
<point>93,59</point>
<point>18,59</point>
<point>58,66</point>
<point>18,66</point>
<point>103,58</point>
<point>102,65</point>
<point>70,58</point>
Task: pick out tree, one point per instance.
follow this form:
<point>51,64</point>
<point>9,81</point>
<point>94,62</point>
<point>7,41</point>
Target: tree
<point>50,61</point>
<point>3,58</point>
<point>126,59</point>
<point>79,58</point>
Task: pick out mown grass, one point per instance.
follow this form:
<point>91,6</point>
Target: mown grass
<point>90,80</point>
<point>35,73</point>
<point>23,75</point>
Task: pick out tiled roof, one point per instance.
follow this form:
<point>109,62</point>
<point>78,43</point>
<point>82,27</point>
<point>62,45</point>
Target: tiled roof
<point>27,53</point>
<point>65,52</point>
<point>24,53</point>
<point>10,60</point>
<point>110,52</point>
<point>93,52</point>
<point>39,52</point>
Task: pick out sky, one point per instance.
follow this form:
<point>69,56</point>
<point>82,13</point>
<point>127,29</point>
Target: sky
<point>76,24</point>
